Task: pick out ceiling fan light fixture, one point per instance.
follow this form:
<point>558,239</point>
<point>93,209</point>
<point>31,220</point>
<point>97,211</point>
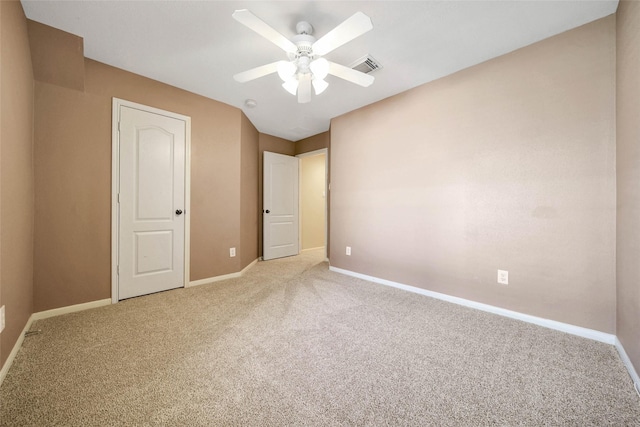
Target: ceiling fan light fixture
<point>291,86</point>
<point>319,85</point>
<point>319,68</point>
<point>306,67</point>
<point>286,70</point>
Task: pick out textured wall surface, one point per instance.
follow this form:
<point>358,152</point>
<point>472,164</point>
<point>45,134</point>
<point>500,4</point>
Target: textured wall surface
<point>16,174</point>
<point>628,182</point>
<point>313,143</point>
<point>249,197</point>
<point>506,165</point>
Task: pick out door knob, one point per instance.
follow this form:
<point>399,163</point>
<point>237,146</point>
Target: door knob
<point>267,211</point>
<point>178,211</point>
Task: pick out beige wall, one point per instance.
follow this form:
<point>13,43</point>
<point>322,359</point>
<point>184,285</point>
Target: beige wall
<point>628,179</point>
<point>249,196</point>
<point>312,201</point>
<point>72,160</point>
<point>16,174</point>
<point>73,178</point>
<point>313,143</point>
<point>507,165</point>
<point>57,56</point>
<point>275,145</point>
<point>2,358</point>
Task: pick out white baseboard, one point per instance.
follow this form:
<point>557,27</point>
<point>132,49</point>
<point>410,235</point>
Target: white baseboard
<point>14,351</point>
<point>223,277</point>
<point>44,315</point>
<point>312,249</point>
<point>70,309</point>
<point>628,364</point>
<point>551,324</point>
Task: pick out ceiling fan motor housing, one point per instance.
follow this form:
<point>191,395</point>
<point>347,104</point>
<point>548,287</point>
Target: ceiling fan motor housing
<point>303,27</point>
<point>304,43</point>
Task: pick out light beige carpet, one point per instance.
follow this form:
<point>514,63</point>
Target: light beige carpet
<point>292,343</point>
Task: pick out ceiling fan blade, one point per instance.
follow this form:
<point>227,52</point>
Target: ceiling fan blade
<point>256,24</point>
<point>350,74</point>
<point>304,89</point>
<point>358,24</point>
<point>254,73</point>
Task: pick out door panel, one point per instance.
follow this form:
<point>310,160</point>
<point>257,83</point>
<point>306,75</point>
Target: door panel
<point>151,192</point>
<point>280,206</point>
<point>153,252</point>
<point>154,178</point>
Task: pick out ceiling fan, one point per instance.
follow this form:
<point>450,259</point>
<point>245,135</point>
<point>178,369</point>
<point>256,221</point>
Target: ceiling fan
<point>306,66</point>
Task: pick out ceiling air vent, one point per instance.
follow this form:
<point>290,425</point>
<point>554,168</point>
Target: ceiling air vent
<point>366,64</point>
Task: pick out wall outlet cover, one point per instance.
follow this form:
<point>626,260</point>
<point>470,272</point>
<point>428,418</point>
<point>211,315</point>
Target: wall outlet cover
<point>232,252</point>
<point>503,277</point>
<point>348,251</point>
<point>1,318</point>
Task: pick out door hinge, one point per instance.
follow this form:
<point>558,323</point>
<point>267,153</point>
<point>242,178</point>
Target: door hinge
<point>118,197</point>
<point>118,270</point>
<point>118,126</point>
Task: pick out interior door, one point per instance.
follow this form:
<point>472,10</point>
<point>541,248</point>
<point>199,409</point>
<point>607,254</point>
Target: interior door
<point>151,241</point>
<point>280,206</point>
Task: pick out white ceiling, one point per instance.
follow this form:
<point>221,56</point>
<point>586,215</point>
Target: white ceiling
<point>198,46</point>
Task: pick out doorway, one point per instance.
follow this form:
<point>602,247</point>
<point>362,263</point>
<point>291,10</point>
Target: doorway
<point>313,200</point>
<point>280,204</point>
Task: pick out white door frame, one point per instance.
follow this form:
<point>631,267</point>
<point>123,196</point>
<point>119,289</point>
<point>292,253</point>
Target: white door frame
<point>115,186</point>
<point>324,151</point>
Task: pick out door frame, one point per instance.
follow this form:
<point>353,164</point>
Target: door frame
<point>324,151</point>
<point>115,186</point>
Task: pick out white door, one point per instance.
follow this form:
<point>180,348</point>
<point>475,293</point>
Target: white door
<point>280,206</point>
<point>151,241</point>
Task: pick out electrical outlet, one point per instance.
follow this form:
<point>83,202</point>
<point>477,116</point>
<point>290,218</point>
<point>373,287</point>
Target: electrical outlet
<point>1,318</point>
<point>348,251</point>
<point>232,252</point>
<point>503,277</point>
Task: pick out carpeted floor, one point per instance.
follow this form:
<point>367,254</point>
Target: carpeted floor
<point>292,343</point>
